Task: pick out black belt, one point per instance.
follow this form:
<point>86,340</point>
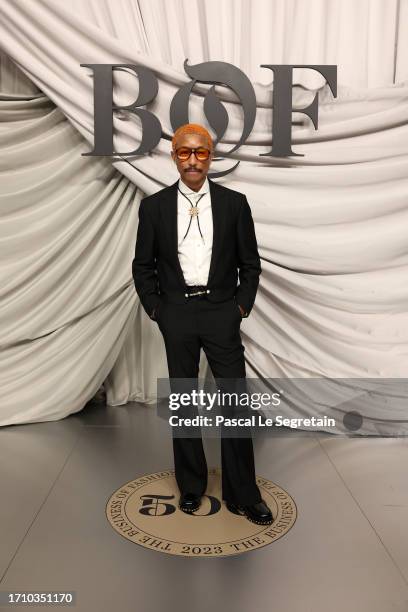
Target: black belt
<point>197,291</point>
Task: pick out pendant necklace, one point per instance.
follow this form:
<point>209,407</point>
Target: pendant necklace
<point>193,212</point>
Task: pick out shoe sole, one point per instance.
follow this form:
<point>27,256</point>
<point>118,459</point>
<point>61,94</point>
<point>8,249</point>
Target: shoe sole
<point>237,513</point>
<point>258,522</point>
<point>189,511</point>
<point>243,513</point>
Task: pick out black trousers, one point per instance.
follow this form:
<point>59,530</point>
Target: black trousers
<point>215,327</point>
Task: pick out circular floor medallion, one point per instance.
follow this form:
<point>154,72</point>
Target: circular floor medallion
<point>145,511</point>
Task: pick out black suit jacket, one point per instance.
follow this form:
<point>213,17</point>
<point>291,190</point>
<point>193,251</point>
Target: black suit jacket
<point>156,268</point>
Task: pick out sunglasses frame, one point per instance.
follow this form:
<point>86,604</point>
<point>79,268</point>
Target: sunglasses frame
<point>193,150</point>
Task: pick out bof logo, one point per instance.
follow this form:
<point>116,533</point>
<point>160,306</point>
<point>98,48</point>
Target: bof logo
<point>213,73</point>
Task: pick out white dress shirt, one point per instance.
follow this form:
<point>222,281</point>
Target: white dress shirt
<point>194,251</point>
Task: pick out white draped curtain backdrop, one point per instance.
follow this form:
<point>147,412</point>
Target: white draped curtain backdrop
<point>331,225</point>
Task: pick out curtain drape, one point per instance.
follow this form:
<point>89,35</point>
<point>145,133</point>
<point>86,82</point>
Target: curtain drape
<point>331,226</point>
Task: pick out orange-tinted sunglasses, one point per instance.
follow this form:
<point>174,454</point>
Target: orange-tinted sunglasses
<point>201,153</point>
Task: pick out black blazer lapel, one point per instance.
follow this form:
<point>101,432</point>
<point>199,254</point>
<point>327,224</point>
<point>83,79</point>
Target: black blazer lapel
<point>169,214</point>
<point>219,215</point>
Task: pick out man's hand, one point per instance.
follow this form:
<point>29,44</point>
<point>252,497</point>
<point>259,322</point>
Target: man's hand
<point>144,263</point>
<point>242,311</point>
<point>248,260</point>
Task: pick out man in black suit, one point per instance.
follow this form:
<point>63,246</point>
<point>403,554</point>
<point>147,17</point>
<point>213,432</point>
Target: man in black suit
<point>195,240</point>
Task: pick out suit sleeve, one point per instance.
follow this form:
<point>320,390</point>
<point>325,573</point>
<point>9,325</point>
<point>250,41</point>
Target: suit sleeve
<point>249,262</point>
<point>144,263</point>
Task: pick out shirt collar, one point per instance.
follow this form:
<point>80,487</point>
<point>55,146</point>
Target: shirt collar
<point>205,188</point>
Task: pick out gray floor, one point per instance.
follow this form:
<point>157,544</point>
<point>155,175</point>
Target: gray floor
<point>347,550</point>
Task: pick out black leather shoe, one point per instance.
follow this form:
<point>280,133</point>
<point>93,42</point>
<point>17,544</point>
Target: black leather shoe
<point>189,502</point>
<point>256,513</point>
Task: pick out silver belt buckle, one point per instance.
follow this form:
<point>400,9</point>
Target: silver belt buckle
<point>199,292</point>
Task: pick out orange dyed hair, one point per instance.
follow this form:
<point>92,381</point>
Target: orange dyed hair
<point>192,128</point>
